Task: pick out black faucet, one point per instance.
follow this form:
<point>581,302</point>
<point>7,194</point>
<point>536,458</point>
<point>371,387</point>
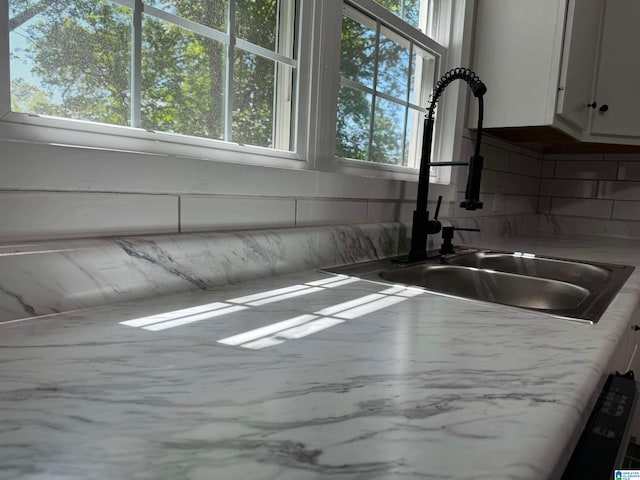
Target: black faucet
<point>422,226</point>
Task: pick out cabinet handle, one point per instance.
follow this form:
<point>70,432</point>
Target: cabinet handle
<point>592,105</point>
<point>636,328</point>
<point>604,108</point>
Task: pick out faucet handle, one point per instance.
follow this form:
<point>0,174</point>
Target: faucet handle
<point>435,217</point>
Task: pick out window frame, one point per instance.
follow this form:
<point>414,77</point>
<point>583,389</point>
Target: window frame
<point>383,19</point>
<point>319,27</point>
<point>72,132</point>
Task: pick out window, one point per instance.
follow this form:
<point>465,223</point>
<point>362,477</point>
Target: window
<point>286,83</point>
<point>386,77</point>
<point>217,69</point>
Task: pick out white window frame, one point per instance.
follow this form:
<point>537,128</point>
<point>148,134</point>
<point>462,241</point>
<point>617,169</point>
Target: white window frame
<point>454,35</point>
<point>382,18</point>
<point>318,54</point>
<point>63,131</point>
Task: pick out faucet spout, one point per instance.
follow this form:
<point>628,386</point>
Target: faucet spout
<point>422,226</point>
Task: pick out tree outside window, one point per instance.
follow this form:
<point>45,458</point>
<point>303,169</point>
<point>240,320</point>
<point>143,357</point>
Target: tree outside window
<point>385,79</point>
<point>162,65</point>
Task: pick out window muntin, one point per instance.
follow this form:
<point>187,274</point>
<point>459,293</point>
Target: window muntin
<point>180,69</point>
<point>385,79</point>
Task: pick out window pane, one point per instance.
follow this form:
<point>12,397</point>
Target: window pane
<point>422,76</point>
<point>71,60</point>
<point>388,132</point>
<point>393,64</point>
<point>357,56</point>
<point>408,10</point>
<point>413,138</point>
<point>210,13</point>
<point>253,97</point>
<point>182,81</point>
<point>257,22</point>
<point>354,120</point>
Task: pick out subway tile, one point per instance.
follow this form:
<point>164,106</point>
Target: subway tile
<point>544,204</point>
<point>548,169</point>
<point>625,210</point>
<point>520,204</point>
<point>622,157</point>
<point>588,170</point>
<point>380,212</point>
<point>507,183</point>
<point>629,171</point>
<point>49,215</point>
<point>525,164</point>
<point>581,207</point>
<point>568,188</point>
<point>201,212</point>
<point>495,158</point>
<point>580,157</point>
<point>330,212</point>
<point>619,190</point>
<point>512,162</point>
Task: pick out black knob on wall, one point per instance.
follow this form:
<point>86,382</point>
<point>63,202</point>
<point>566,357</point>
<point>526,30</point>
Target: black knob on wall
<point>604,108</point>
<point>592,105</point>
<point>636,328</point>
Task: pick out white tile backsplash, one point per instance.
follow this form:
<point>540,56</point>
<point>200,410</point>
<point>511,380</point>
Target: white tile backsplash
<point>201,213</point>
<point>629,171</point>
<point>588,170</point>
<point>582,207</point>
<point>40,215</point>
<point>507,183</point>
<point>568,188</point>
<point>544,204</point>
<point>381,212</point>
<point>617,190</point>
<point>624,210</point>
<point>330,212</point>
<point>548,169</point>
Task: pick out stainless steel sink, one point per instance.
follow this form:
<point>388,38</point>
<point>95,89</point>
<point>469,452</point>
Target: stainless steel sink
<point>533,266</point>
<point>491,286</point>
<point>575,290</point>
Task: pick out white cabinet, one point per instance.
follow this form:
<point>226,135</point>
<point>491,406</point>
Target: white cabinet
<point>568,66</point>
<point>618,73</point>
<point>577,69</point>
<point>538,62</point>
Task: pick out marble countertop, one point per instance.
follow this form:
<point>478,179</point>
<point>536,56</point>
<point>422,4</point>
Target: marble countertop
<point>307,376</point>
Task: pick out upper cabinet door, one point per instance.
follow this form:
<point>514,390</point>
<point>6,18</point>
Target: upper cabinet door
<point>618,81</point>
<point>579,61</point>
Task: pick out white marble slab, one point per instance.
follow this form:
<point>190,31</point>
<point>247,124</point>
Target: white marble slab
<point>428,387</point>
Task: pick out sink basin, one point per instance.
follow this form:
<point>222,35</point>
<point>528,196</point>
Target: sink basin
<point>569,289</point>
<point>498,287</point>
<point>523,264</point>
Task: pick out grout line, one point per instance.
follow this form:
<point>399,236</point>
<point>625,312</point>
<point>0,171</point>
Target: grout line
<point>612,205</point>
<point>179,214</point>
